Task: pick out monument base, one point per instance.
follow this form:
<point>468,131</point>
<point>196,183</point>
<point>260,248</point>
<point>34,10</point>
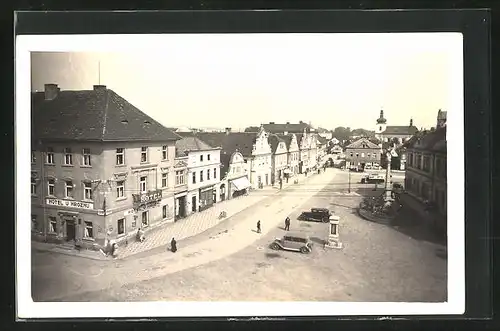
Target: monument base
<point>334,245</point>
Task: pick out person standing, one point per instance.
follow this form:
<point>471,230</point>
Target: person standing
<point>287,223</point>
<point>258,227</point>
<point>114,250</point>
<point>173,245</point>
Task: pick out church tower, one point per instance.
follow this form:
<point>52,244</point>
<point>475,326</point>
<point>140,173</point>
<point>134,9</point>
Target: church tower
<point>381,124</point>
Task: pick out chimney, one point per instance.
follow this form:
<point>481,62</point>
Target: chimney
<point>271,122</point>
<point>287,122</point>
<point>99,87</point>
<point>300,122</point>
<point>411,121</point>
<point>51,91</point>
<point>228,130</point>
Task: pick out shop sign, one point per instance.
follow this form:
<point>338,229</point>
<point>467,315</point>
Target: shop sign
<point>152,196</point>
<point>69,203</point>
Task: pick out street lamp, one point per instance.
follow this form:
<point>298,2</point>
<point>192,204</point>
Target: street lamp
<point>349,175</point>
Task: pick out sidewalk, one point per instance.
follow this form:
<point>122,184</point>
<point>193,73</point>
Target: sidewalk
<point>54,248</point>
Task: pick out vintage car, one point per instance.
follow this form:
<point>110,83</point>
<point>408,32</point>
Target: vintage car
<point>372,179</point>
<point>316,215</point>
<point>298,242</point>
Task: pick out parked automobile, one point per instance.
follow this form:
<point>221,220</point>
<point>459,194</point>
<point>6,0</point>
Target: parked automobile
<point>372,179</point>
<point>316,215</point>
<point>298,242</point>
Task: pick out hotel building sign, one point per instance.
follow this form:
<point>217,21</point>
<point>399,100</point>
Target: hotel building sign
<point>69,203</point>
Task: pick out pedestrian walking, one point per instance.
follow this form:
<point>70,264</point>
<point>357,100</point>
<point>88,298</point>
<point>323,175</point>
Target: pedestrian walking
<point>173,245</point>
<point>287,223</point>
<point>114,250</point>
<point>258,227</point>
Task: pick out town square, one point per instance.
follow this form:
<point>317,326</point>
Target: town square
<point>175,180</point>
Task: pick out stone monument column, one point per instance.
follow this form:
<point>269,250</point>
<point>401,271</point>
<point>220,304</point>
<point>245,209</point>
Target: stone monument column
<point>333,234</point>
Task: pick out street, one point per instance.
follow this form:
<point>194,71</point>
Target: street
<point>233,262</point>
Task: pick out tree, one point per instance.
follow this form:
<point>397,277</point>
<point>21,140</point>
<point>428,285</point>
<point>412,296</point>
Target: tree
<point>342,133</point>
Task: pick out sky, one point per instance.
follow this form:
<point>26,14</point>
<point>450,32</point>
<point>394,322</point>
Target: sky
<point>239,80</point>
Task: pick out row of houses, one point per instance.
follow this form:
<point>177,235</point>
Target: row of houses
<point>101,168</point>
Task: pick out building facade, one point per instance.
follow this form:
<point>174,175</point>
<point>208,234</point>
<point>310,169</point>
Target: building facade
<point>260,161</point>
<point>180,170</point>
<point>203,171</point>
<point>234,181</point>
<point>426,168</point>
<point>362,152</point>
<point>279,158</point>
<point>101,167</point>
<point>293,155</point>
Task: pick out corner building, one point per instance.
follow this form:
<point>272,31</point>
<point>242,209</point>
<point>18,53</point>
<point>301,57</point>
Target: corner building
<point>101,168</point>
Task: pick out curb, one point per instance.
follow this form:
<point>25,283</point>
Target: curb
<point>68,253</point>
<point>379,220</point>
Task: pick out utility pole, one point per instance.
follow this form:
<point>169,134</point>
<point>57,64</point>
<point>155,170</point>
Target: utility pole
<point>349,172</point>
<point>43,188</point>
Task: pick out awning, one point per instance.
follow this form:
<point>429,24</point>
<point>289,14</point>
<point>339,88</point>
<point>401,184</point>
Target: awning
<point>240,183</point>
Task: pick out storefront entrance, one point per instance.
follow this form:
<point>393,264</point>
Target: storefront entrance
<point>181,207</point>
<point>70,230</point>
<point>206,199</point>
<point>193,204</point>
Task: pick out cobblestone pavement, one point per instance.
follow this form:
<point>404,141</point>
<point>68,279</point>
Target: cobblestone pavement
<point>236,235</point>
<point>378,263</point>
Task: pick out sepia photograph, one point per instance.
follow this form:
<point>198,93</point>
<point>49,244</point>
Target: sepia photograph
<point>241,169</point>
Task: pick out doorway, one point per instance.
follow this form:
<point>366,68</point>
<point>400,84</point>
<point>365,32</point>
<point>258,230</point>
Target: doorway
<point>70,230</point>
<point>182,207</point>
<point>193,204</point>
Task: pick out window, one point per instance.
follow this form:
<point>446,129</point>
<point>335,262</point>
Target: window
<point>352,154</point>
<point>201,176</point>
<point>357,154</point>
<point>86,157</point>
<point>427,164</point>
<point>33,157</point>
<point>164,180</point>
<point>145,218</point>
<point>201,158</point>
<point>33,186</point>
<point>68,190</point>
<point>194,177</point>
<point>208,174</point>
<point>144,154</point>
<point>120,189</point>
<point>368,155</point>
<point>87,188</point>
<point>208,157</point>
<point>68,157</point>
<point>89,230</point>
<point>50,155</point>
<point>51,187</point>
<point>164,211</point>
<point>179,177</point>
<point>215,173</point>
<point>120,156</point>
<point>164,154</point>
<point>143,184</point>
<point>362,154</point>
<point>52,224</point>
<point>121,226</point>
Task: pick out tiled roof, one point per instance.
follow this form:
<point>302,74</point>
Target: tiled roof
<point>400,129</point>
<point>362,143</point>
<point>187,144</point>
<point>274,141</point>
<point>252,129</point>
<point>230,142</point>
<point>97,115</point>
<point>280,128</point>
<point>322,140</point>
<point>287,138</point>
<point>429,141</point>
